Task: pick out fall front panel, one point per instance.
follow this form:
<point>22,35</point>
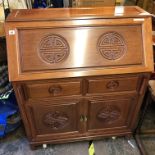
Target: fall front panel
<point>70,48</point>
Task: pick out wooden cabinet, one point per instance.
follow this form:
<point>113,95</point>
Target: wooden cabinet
<point>79,73</point>
<point>85,112</point>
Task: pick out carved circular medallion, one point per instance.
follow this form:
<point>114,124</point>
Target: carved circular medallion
<point>53,48</point>
<point>108,114</point>
<point>56,120</point>
<point>111,45</point>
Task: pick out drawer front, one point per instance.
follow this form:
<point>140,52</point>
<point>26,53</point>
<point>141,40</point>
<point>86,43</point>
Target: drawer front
<point>58,48</point>
<point>52,89</point>
<point>105,85</point>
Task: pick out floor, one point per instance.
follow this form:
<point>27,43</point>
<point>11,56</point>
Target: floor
<point>17,144</point>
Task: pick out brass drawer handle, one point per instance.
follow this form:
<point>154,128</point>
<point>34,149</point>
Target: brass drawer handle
<point>55,90</point>
<point>112,84</point>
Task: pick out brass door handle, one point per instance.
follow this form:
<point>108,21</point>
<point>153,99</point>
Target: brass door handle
<point>83,118</point>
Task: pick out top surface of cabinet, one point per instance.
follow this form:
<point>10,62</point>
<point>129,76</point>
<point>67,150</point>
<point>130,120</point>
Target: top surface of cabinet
<point>63,43</point>
<point>76,13</point>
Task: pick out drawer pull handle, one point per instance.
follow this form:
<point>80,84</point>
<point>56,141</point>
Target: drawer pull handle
<point>55,90</point>
<point>112,84</point>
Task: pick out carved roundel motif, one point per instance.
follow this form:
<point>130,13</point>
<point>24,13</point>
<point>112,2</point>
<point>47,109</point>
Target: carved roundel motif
<point>56,120</point>
<point>111,45</point>
<point>53,48</point>
<point>109,113</point>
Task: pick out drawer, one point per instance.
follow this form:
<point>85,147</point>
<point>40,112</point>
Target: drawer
<point>52,89</point>
<point>115,84</point>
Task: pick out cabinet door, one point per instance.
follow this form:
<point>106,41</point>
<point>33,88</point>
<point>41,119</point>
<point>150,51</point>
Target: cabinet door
<point>50,121</point>
<point>111,115</point>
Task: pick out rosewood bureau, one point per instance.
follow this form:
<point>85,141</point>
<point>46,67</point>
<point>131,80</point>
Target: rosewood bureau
<point>79,73</point>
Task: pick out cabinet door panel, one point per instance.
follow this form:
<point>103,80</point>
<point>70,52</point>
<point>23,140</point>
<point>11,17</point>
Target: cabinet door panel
<point>58,119</point>
<point>108,114</point>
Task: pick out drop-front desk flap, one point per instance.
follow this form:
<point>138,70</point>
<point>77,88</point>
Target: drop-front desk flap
<point>58,43</point>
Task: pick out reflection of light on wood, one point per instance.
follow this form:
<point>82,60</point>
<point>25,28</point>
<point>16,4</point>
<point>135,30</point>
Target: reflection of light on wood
<point>78,73</point>
<point>119,10</point>
<point>80,44</point>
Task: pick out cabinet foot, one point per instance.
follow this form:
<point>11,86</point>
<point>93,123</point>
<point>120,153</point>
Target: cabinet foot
<point>33,147</point>
<point>113,137</point>
<point>44,146</point>
<point>129,136</point>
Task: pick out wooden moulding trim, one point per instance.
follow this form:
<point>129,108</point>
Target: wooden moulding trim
<point>72,74</point>
<point>73,139</point>
<point>74,13</point>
